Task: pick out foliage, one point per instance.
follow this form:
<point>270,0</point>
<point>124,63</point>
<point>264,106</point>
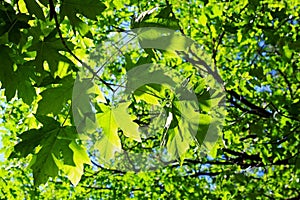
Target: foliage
<point>71,128</point>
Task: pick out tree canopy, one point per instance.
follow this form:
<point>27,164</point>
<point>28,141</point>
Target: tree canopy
<point>134,99</point>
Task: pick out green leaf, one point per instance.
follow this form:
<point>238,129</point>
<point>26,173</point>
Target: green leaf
<point>48,50</point>
<point>90,9</point>
<point>43,168</point>
<point>14,36</point>
<point>110,120</point>
<point>26,90</point>
<point>34,8</point>
<point>54,147</point>
<point>84,92</point>
<point>239,36</point>
<point>107,148</point>
<point>149,18</point>
<point>147,94</point>
<point>144,74</point>
<point>178,142</point>
<point>54,142</point>
<point>80,158</point>
<point>203,19</point>
<point>182,134</point>
<point>16,80</point>
<point>287,51</point>
<point>7,73</point>
<point>30,140</point>
<point>164,39</point>
<point>48,122</point>
<point>110,141</point>
<point>125,122</point>
<point>165,13</point>
<point>55,99</point>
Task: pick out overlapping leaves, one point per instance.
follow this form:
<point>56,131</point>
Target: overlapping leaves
<point>50,144</point>
<point>54,146</point>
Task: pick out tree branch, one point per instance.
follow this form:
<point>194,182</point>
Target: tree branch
<point>253,108</point>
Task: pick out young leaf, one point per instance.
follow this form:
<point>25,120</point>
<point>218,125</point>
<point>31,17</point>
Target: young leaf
<point>110,120</point>
<point>109,126</point>
<point>80,158</point>
<point>125,122</point>
<point>106,148</point>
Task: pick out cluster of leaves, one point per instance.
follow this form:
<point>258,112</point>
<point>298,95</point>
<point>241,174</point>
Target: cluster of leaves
<point>45,48</point>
